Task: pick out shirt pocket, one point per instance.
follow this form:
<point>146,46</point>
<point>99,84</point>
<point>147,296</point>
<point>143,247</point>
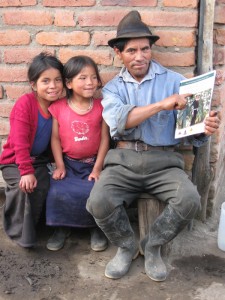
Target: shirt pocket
<point>161,118</point>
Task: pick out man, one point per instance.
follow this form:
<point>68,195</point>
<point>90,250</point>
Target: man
<point>140,107</point>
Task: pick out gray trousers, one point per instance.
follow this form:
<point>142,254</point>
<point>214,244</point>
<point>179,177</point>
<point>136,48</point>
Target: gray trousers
<point>128,173</point>
<point>22,211</point>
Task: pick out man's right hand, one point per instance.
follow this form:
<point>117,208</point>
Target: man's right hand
<point>175,101</point>
<point>140,113</point>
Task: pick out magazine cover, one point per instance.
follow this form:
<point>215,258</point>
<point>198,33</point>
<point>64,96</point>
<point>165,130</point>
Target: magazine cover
<point>191,119</point>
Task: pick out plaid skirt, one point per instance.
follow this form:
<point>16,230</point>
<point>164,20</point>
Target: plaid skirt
<point>66,200</point>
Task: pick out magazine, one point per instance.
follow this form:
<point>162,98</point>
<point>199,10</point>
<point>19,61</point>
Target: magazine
<point>191,119</point>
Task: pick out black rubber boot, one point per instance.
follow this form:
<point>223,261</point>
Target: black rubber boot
<point>163,230</point>
<point>99,241</point>
<point>118,230</point>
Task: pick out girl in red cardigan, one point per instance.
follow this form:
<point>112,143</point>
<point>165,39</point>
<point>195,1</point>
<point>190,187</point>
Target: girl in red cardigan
<point>25,155</point>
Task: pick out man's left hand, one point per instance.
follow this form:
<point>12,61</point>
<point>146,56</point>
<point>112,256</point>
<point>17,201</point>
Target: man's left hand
<point>212,123</point>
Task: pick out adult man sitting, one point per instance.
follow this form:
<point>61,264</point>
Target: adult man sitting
<point>140,107</point>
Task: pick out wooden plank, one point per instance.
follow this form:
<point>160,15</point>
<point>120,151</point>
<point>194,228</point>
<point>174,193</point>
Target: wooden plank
<point>149,208</point>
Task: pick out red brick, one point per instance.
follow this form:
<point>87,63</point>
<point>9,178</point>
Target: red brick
<point>64,3</point>
<point>4,127</point>
<point>169,59</point>
<point>129,3</point>
<point>107,76</point>
<point>101,57</point>
<point>13,92</point>
<point>6,109</point>
<point>100,38</point>
<point>219,14</point>
<point>64,18</point>
<point>58,38</point>
<point>220,36</point>
<point>171,18</point>
<point>219,56</point>
<point>14,37</point>
<point>181,3</point>
<point>22,55</point>
<point>220,1</point>
<point>102,18</point>
<point>220,76</point>
<point>117,62</point>
<point>27,17</point>
<point>153,18</point>
<point>189,74</point>
<point>179,38</point>
<point>218,95</point>
<point>5,3</point>
<point>15,74</point>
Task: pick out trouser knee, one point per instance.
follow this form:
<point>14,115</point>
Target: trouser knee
<point>99,206</point>
<point>188,206</point>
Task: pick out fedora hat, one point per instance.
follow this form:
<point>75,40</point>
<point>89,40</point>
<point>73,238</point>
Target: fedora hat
<point>131,26</point>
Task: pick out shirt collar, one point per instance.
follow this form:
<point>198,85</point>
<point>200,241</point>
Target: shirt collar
<point>155,68</point>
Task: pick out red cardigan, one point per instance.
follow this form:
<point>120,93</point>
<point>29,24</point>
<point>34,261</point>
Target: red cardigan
<point>23,126</point>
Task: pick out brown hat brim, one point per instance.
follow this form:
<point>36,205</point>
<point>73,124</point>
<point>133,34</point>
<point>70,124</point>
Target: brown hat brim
<point>132,35</point>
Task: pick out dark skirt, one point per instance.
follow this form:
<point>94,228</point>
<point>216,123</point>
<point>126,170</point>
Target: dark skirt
<point>66,200</point>
<point>22,211</point>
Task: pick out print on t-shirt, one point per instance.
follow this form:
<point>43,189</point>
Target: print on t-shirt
<point>80,128</point>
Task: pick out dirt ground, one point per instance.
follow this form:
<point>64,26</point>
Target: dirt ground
<point>196,270</point>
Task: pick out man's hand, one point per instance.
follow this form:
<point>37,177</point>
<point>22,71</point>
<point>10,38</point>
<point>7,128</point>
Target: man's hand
<point>28,183</point>
<point>175,101</point>
<point>212,123</point>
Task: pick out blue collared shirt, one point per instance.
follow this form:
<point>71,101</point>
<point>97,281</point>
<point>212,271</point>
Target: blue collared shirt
<point>123,93</point>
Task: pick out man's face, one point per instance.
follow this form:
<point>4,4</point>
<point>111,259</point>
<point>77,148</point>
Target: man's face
<point>136,57</point>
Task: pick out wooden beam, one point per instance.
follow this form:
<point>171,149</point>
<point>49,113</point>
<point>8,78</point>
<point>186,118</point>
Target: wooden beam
<point>202,174</point>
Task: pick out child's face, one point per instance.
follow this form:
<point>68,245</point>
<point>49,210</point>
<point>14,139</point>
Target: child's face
<point>49,85</point>
<point>85,83</point>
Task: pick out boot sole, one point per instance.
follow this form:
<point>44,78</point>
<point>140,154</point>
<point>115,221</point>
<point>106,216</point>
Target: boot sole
<point>99,249</point>
<point>54,248</point>
<point>156,279</point>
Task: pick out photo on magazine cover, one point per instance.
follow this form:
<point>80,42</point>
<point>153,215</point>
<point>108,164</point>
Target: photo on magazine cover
<point>198,106</point>
<point>191,119</point>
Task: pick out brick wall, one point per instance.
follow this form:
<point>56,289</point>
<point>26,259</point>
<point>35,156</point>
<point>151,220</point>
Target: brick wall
<point>71,27</point>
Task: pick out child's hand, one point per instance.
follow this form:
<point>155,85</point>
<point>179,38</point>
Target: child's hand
<point>94,176</point>
<point>28,183</point>
<point>59,173</point>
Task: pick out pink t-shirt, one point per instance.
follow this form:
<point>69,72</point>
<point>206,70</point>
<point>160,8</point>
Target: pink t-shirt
<point>80,135</point>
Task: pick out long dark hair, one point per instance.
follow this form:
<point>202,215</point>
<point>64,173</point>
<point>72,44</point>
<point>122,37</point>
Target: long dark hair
<point>41,63</point>
<point>74,66</point>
